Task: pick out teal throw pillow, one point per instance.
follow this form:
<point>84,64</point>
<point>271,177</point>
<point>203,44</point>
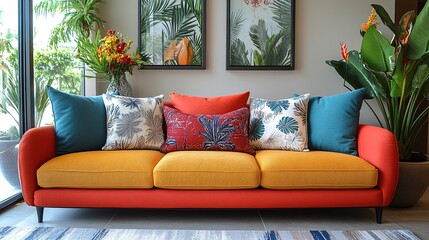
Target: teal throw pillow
<point>80,122</point>
<point>333,122</point>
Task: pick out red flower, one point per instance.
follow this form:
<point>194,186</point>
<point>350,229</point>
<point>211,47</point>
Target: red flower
<point>111,32</point>
<point>121,47</point>
<point>344,52</point>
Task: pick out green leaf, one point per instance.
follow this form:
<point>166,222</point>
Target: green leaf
<point>406,22</point>
<point>237,19</point>
<point>385,17</point>
<point>376,51</point>
<point>421,79</point>
<point>412,79</point>
<point>258,59</point>
<point>239,54</point>
<point>271,50</point>
<point>354,73</point>
<point>418,42</point>
<point>183,23</point>
<point>259,35</point>
<point>282,10</point>
<point>398,77</point>
<point>80,18</point>
<point>421,75</point>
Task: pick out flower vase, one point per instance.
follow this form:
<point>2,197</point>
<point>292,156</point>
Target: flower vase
<point>120,86</point>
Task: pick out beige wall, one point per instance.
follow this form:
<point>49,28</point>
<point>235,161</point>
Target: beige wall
<point>320,27</point>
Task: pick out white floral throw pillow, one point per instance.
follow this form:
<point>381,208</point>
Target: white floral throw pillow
<point>279,124</point>
<point>133,123</point>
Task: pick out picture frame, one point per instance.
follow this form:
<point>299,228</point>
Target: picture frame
<point>260,35</point>
<point>172,34</point>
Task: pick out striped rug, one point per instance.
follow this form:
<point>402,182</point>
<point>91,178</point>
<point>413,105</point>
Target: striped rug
<point>39,233</point>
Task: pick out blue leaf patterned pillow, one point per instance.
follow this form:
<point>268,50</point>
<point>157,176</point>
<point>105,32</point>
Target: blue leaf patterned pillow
<point>279,124</point>
<point>134,123</point>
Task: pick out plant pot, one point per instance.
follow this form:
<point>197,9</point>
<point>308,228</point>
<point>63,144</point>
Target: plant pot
<point>412,183</point>
<point>9,161</point>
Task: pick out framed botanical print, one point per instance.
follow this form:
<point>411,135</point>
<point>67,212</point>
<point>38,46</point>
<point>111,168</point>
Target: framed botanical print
<point>260,34</point>
<point>172,34</point>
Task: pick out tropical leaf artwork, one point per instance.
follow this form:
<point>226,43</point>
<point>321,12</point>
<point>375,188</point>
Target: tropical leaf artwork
<point>260,34</point>
<point>172,32</point>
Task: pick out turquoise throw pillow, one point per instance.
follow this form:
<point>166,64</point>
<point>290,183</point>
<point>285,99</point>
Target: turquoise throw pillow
<point>80,122</point>
<point>333,122</point>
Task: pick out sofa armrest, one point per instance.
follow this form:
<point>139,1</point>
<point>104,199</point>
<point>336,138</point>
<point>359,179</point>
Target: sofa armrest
<point>36,147</point>
<point>379,147</point>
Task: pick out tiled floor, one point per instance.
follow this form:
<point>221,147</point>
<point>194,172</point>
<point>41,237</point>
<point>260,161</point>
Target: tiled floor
<point>415,219</point>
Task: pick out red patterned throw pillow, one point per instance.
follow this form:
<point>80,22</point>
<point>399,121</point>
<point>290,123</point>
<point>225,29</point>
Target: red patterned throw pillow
<point>225,132</point>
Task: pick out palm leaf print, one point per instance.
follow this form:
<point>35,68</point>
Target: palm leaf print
<point>154,133</point>
<point>301,109</point>
<point>256,129</point>
<point>131,103</point>
<point>239,53</point>
<point>217,134</point>
<point>113,114</point>
<point>120,144</point>
<point>287,125</point>
<point>140,143</point>
<point>295,142</point>
<point>273,140</point>
<point>129,124</point>
<point>257,103</point>
<point>278,106</point>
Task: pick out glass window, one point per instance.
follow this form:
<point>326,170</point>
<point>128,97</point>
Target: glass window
<point>9,101</point>
<point>55,63</point>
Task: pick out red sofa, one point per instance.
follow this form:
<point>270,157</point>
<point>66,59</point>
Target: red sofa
<point>375,145</point>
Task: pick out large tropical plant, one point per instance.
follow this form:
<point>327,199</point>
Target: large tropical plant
<point>394,72</point>
<point>80,18</point>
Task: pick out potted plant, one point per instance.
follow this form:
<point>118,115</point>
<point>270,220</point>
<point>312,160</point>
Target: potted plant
<point>108,57</point>
<point>396,74</point>
<point>81,18</point>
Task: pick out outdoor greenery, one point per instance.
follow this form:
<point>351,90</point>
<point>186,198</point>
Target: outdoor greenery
<point>270,50</point>
<point>80,18</point>
<point>393,71</point>
<point>52,67</point>
<point>181,37</point>
<point>56,66</point>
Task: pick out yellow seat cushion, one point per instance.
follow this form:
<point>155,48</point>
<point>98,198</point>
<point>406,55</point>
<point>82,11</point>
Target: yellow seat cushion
<point>207,170</point>
<point>314,170</point>
<point>122,169</point>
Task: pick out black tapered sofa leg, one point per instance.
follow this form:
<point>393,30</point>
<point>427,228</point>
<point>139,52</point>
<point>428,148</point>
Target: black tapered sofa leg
<point>40,214</point>
<point>379,214</point>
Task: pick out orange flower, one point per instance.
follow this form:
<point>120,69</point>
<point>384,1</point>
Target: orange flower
<point>344,52</point>
<point>114,49</point>
<point>371,18</point>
